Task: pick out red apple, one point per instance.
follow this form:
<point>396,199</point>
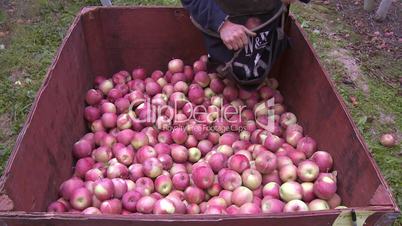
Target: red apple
<point>266,162</point>
<point>194,194</point>
<point>238,163</point>
<point>318,204</point>
<point>145,204</point>
<point>251,179</point>
<point>164,206</point>
<point>290,190</point>
<point>229,179</point>
<point>81,198</point>
<point>325,187</point>
<point>152,167</point>
<point>307,145</point>
<point>250,208</point>
<point>323,160</point>
<point>307,171</point>
<point>307,191</point>
<point>270,205</point>
<point>163,184</point>
<point>203,177</point>
<point>130,200</point>
<point>295,206</point>
<point>242,195</point>
<point>120,187</point>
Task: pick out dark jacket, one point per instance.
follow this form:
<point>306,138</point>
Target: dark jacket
<point>207,13</point>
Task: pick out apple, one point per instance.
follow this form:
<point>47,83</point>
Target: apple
<point>217,202</point>
<point>323,160</point>
<point>307,171</point>
<point>227,196</point>
<point>92,210</point>
<point>194,154</point>
<point>113,206</point>
<point>56,207</point>
<point>388,140</point>
<point>144,153</point>
<point>250,208</point>
<point>176,168</point>
<point>296,156</point>
<point>238,163</point>
<point>181,180</point>
<point>130,200</point>
<point>288,173</point>
<point>164,206</point>
<point>102,154</point>
<point>180,207</point>
<point>120,187</point>
<point>271,177</point>
<point>283,161</point>
<point>225,149</point>
<point>215,210</point>
<point>242,195</point>
<point>214,189</point>
<point>139,140</point>
<point>295,206</point>
<point>307,191</point>
<point>193,209</point>
<point>251,179</point>
<point>179,153</point>
<point>270,205</point>
<point>163,184</point>
<point>229,179</point>
<point>287,118</point>
<point>266,162</point>
<point>325,187</point>
<point>272,142</point>
<point>293,137</point>
<point>144,185</point>
<point>194,194</point>
<point>125,156</point>
<point>135,171</point>
<point>152,167</point>
<point>290,190</point>
<point>307,145</point>
<point>145,204</point>
<point>334,201</point>
<point>104,189</point>
<point>82,166</point>
<point>271,190</point>
<point>203,177</point>
<point>166,160</point>
<point>318,204</point>
<point>217,161</point>
<point>69,186</point>
<point>81,198</point>
<point>233,210</point>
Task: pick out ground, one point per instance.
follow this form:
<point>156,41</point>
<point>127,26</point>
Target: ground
<point>362,56</point>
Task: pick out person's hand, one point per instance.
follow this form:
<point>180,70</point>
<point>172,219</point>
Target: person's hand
<point>287,2</point>
<point>234,36</point>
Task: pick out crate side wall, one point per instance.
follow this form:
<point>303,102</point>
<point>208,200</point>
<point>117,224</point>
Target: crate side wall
<point>42,158</point>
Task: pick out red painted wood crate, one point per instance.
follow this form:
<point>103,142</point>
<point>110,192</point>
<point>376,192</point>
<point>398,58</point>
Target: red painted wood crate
<point>102,41</point>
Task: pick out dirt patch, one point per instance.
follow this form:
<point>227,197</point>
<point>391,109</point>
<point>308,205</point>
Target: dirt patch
<point>386,36</point>
<point>353,73</point>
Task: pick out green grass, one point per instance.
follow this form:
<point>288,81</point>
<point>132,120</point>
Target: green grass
<point>31,47</point>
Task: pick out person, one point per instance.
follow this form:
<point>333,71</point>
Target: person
<point>234,35</point>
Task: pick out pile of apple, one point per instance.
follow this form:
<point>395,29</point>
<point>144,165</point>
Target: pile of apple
<point>189,142</point>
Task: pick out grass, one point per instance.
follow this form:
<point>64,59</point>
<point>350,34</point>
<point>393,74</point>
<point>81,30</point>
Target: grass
<point>32,44</point>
